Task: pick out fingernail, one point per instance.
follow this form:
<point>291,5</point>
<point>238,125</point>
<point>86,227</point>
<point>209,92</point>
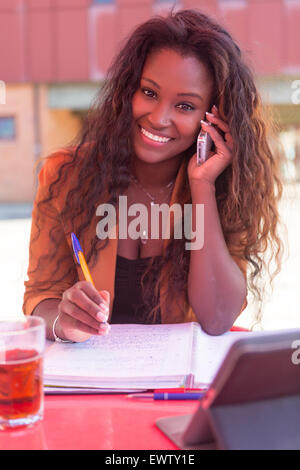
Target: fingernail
<point>209,114</point>
<point>104,307</point>
<point>215,108</point>
<point>104,329</point>
<point>206,123</point>
<point>101,316</point>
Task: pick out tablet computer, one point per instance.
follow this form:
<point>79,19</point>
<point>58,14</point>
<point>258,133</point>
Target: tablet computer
<point>253,401</point>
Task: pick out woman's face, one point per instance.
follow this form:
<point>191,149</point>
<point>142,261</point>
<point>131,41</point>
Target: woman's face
<point>173,96</point>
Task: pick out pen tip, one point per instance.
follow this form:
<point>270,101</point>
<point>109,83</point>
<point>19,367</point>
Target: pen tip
<point>76,246</point>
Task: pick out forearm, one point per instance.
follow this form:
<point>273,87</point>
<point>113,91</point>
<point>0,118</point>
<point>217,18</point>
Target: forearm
<point>216,285</point>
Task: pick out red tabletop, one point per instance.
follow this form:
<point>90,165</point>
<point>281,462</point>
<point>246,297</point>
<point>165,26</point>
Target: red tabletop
<point>93,422</point>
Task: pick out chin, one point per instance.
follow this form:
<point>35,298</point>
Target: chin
<point>149,157</point>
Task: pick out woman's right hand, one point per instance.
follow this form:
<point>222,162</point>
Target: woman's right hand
<point>83,311</point>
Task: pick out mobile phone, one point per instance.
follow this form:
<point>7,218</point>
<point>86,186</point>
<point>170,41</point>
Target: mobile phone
<point>204,145</point>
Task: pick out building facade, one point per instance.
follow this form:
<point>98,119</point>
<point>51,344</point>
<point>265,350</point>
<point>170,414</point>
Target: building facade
<point>54,55</point>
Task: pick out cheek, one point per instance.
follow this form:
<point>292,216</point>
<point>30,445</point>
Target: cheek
<point>190,129</point>
<point>139,107</point>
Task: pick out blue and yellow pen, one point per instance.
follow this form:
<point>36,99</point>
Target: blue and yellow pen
<point>169,396</point>
<point>80,258</point>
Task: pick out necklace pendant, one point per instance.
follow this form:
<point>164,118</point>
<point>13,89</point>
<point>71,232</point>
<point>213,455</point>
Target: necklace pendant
<point>152,203</point>
<point>144,237</point>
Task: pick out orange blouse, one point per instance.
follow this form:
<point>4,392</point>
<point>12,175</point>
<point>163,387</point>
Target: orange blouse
<point>103,273</point>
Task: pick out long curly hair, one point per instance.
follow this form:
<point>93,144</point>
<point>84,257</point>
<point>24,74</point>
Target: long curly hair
<point>247,192</point>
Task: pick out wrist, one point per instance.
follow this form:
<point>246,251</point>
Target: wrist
<point>58,334</point>
<point>202,187</point>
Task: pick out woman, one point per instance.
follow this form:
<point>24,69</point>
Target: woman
<point>173,77</point>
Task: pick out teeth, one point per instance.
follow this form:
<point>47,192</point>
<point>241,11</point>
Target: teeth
<point>154,137</point>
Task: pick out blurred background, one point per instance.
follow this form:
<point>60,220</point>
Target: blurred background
<point>54,55</point>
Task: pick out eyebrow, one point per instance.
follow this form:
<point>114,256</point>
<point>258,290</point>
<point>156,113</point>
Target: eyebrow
<point>178,94</point>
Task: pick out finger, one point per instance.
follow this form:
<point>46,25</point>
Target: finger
<point>68,308</point>
<point>218,121</point>
<point>228,136</point>
<point>104,306</point>
<point>90,291</point>
<point>105,295</point>
<point>104,329</point>
<point>215,110</point>
<point>77,295</point>
<point>215,135</point>
<point>229,140</point>
<point>78,325</point>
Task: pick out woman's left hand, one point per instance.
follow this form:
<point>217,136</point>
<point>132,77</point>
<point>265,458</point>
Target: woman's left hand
<point>218,160</point>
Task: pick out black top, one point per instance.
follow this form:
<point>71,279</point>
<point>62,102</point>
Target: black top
<point>128,301</point>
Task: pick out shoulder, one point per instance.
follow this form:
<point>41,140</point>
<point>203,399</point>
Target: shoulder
<point>64,164</point>
<point>61,172</point>
<point>53,163</point>
<point>55,177</point>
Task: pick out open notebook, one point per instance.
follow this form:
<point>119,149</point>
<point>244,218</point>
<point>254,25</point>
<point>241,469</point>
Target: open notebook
<point>139,357</point>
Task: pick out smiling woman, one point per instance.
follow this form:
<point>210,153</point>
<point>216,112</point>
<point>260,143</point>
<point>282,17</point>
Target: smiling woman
<point>174,77</point>
<point>169,113</point>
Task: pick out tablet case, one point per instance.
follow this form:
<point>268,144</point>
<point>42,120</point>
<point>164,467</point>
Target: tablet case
<point>253,402</point>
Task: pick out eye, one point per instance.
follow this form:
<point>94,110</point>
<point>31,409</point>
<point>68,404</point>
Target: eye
<point>186,107</point>
<point>152,94</point>
<point>148,92</point>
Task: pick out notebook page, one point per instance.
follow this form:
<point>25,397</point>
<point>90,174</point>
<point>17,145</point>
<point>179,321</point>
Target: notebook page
<point>209,353</point>
<point>127,351</point>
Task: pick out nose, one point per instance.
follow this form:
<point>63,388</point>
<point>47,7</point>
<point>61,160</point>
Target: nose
<point>160,117</point>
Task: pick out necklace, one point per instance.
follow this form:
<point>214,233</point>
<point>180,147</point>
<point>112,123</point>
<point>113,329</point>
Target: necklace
<point>144,236</point>
<point>150,196</point>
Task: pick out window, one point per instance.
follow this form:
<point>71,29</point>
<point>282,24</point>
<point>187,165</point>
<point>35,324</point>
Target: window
<point>233,3</point>
<point>103,2</point>
<point>7,128</point>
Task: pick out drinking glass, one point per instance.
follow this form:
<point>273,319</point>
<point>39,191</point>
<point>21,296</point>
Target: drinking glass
<point>22,345</point>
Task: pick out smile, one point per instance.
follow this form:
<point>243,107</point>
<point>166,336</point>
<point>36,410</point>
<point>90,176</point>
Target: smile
<point>155,138</point>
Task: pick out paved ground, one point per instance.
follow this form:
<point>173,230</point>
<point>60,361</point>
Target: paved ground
<point>282,310</point>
